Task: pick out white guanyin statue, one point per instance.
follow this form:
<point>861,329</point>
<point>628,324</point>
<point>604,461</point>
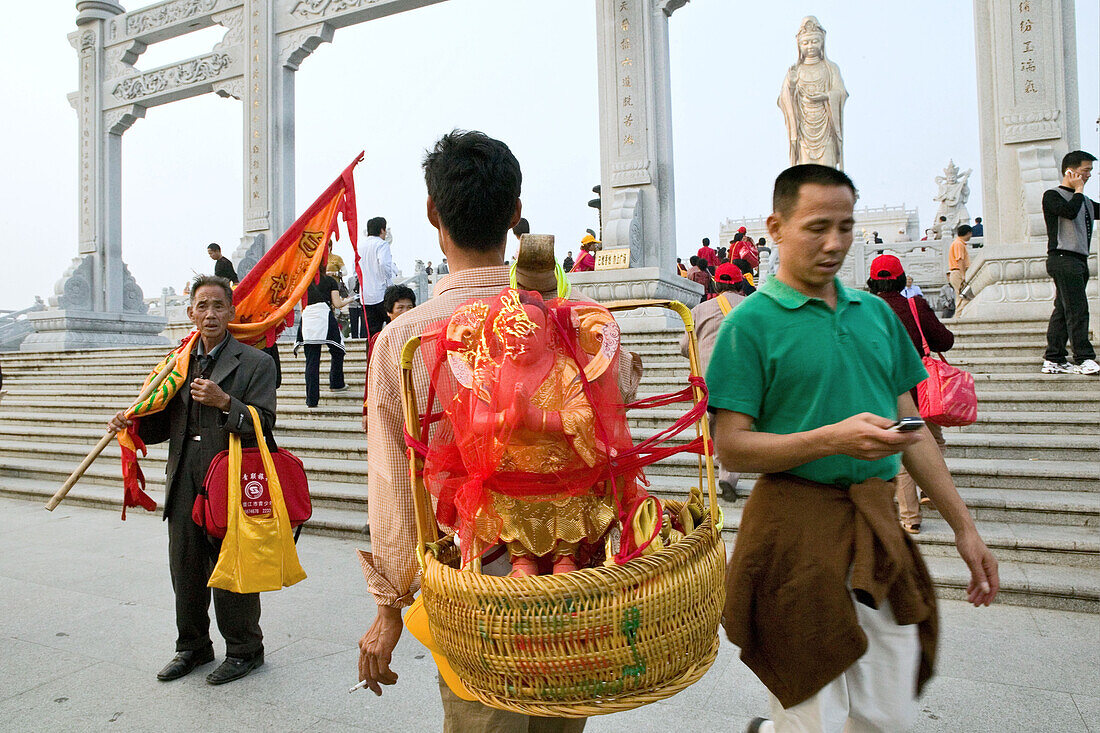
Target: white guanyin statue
<point>812,99</point>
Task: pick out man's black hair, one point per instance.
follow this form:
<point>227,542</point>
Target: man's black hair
<point>375,226</point>
<point>706,241</point>
<point>1075,158</point>
<point>742,265</point>
<point>790,182</point>
<point>761,242</point>
<point>721,286</point>
<point>895,285</point>
<point>214,246</point>
<point>737,237</point>
<point>474,182</point>
<point>977,220</point>
<point>964,229</point>
<point>694,260</point>
<point>395,293</point>
<point>522,227</point>
<point>201,281</point>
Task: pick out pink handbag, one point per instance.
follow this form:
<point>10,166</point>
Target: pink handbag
<point>947,398</point>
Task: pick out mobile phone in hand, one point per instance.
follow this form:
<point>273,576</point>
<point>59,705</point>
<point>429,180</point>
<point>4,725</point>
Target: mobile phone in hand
<point>907,425</point>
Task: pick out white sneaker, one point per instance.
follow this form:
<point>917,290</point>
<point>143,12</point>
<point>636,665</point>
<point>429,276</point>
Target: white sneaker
<point>1088,366</point>
<point>1049,367</point>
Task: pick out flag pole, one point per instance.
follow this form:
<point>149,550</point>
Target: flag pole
<point>108,437</point>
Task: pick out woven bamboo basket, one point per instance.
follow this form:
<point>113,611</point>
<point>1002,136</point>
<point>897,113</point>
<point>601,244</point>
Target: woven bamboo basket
<point>590,642</point>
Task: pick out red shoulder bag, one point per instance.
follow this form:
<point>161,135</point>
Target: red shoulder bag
<point>947,398</point>
<point>210,508</point>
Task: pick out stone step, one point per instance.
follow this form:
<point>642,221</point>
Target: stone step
<point>1025,474</point>
<point>1062,546</point>
<point>1020,362</point>
<point>1039,585</point>
<point>346,518</point>
<point>966,334</point>
<point>1052,423</point>
<point>1031,506</point>
<point>1037,381</point>
<point>1038,400</point>
<point>992,396</point>
<point>22,462</point>
<point>1085,448</point>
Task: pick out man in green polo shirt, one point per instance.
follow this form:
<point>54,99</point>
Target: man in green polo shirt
<point>828,599</point>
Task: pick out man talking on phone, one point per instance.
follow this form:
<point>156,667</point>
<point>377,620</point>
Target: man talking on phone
<point>827,597</point>
<point>1070,216</point>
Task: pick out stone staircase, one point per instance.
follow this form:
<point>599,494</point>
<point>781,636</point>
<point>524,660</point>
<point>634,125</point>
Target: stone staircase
<point>1029,468</point>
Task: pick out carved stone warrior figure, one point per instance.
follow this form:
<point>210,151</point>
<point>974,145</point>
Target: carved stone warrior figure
<point>953,193</point>
<point>812,99</point>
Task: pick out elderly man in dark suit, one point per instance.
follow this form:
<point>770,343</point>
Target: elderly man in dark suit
<point>223,379</point>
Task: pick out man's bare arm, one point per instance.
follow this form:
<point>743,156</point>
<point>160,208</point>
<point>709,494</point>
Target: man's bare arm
<point>925,464</point>
<point>745,450</point>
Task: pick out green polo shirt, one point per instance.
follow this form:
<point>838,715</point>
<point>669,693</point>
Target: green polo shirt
<point>793,364</point>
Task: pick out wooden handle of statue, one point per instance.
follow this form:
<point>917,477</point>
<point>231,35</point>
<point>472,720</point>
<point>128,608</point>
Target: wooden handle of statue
<point>107,438</point>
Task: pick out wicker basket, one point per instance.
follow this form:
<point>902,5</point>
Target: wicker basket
<point>589,642</point>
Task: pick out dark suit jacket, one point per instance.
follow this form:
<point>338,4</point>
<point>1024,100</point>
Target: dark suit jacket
<point>247,375</point>
<point>224,268</point>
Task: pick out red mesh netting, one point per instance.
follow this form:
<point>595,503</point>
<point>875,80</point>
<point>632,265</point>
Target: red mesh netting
<point>534,419</point>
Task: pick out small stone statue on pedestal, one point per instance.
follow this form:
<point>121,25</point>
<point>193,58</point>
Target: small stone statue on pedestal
<point>953,194</point>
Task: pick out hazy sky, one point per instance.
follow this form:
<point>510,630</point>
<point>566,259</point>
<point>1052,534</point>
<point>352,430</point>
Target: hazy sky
<point>521,70</point>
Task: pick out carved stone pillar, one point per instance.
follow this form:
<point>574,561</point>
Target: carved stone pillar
<point>636,175</point>
<point>96,303</point>
<point>1027,84</point>
<point>270,62</point>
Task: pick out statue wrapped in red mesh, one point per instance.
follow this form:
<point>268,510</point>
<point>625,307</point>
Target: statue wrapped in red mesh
<point>533,421</point>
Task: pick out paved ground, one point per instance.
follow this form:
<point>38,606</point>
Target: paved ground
<point>85,608</point>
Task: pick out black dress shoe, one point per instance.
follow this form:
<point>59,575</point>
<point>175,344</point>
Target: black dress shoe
<point>233,668</point>
<point>182,664</point>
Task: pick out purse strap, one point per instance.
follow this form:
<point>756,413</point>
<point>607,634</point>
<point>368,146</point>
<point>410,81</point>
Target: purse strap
<point>724,304</point>
<point>916,319</point>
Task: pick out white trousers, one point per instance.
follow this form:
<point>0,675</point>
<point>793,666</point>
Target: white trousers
<point>876,694</point>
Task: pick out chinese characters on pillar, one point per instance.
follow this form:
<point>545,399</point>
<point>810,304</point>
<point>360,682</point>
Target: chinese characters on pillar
<point>1026,49</point>
<point>629,67</point>
<point>256,204</point>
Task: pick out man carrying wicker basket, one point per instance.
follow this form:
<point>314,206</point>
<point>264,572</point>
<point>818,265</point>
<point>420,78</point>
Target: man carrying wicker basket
<point>473,186</point>
<point>827,597</point>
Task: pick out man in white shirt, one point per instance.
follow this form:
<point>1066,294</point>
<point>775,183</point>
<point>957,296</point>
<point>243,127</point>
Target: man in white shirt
<point>376,262</point>
<point>910,289</point>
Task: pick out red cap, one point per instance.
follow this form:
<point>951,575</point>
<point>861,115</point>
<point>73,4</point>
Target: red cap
<point>886,267</point>
<point>743,230</point>
<point>727,272</point>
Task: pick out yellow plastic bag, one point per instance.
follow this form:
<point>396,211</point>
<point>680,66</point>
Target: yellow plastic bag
<point>258,552</point>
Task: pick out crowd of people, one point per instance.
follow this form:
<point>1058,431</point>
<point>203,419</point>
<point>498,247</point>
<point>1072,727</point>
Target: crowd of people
<point>742,253</point>
<point>809,381</point>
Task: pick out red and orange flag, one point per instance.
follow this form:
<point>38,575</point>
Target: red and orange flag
<point>266,297</point>
<point>264,303</point>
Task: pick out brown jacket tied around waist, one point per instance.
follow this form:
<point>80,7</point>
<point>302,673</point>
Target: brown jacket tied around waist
<point>800,547</point>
